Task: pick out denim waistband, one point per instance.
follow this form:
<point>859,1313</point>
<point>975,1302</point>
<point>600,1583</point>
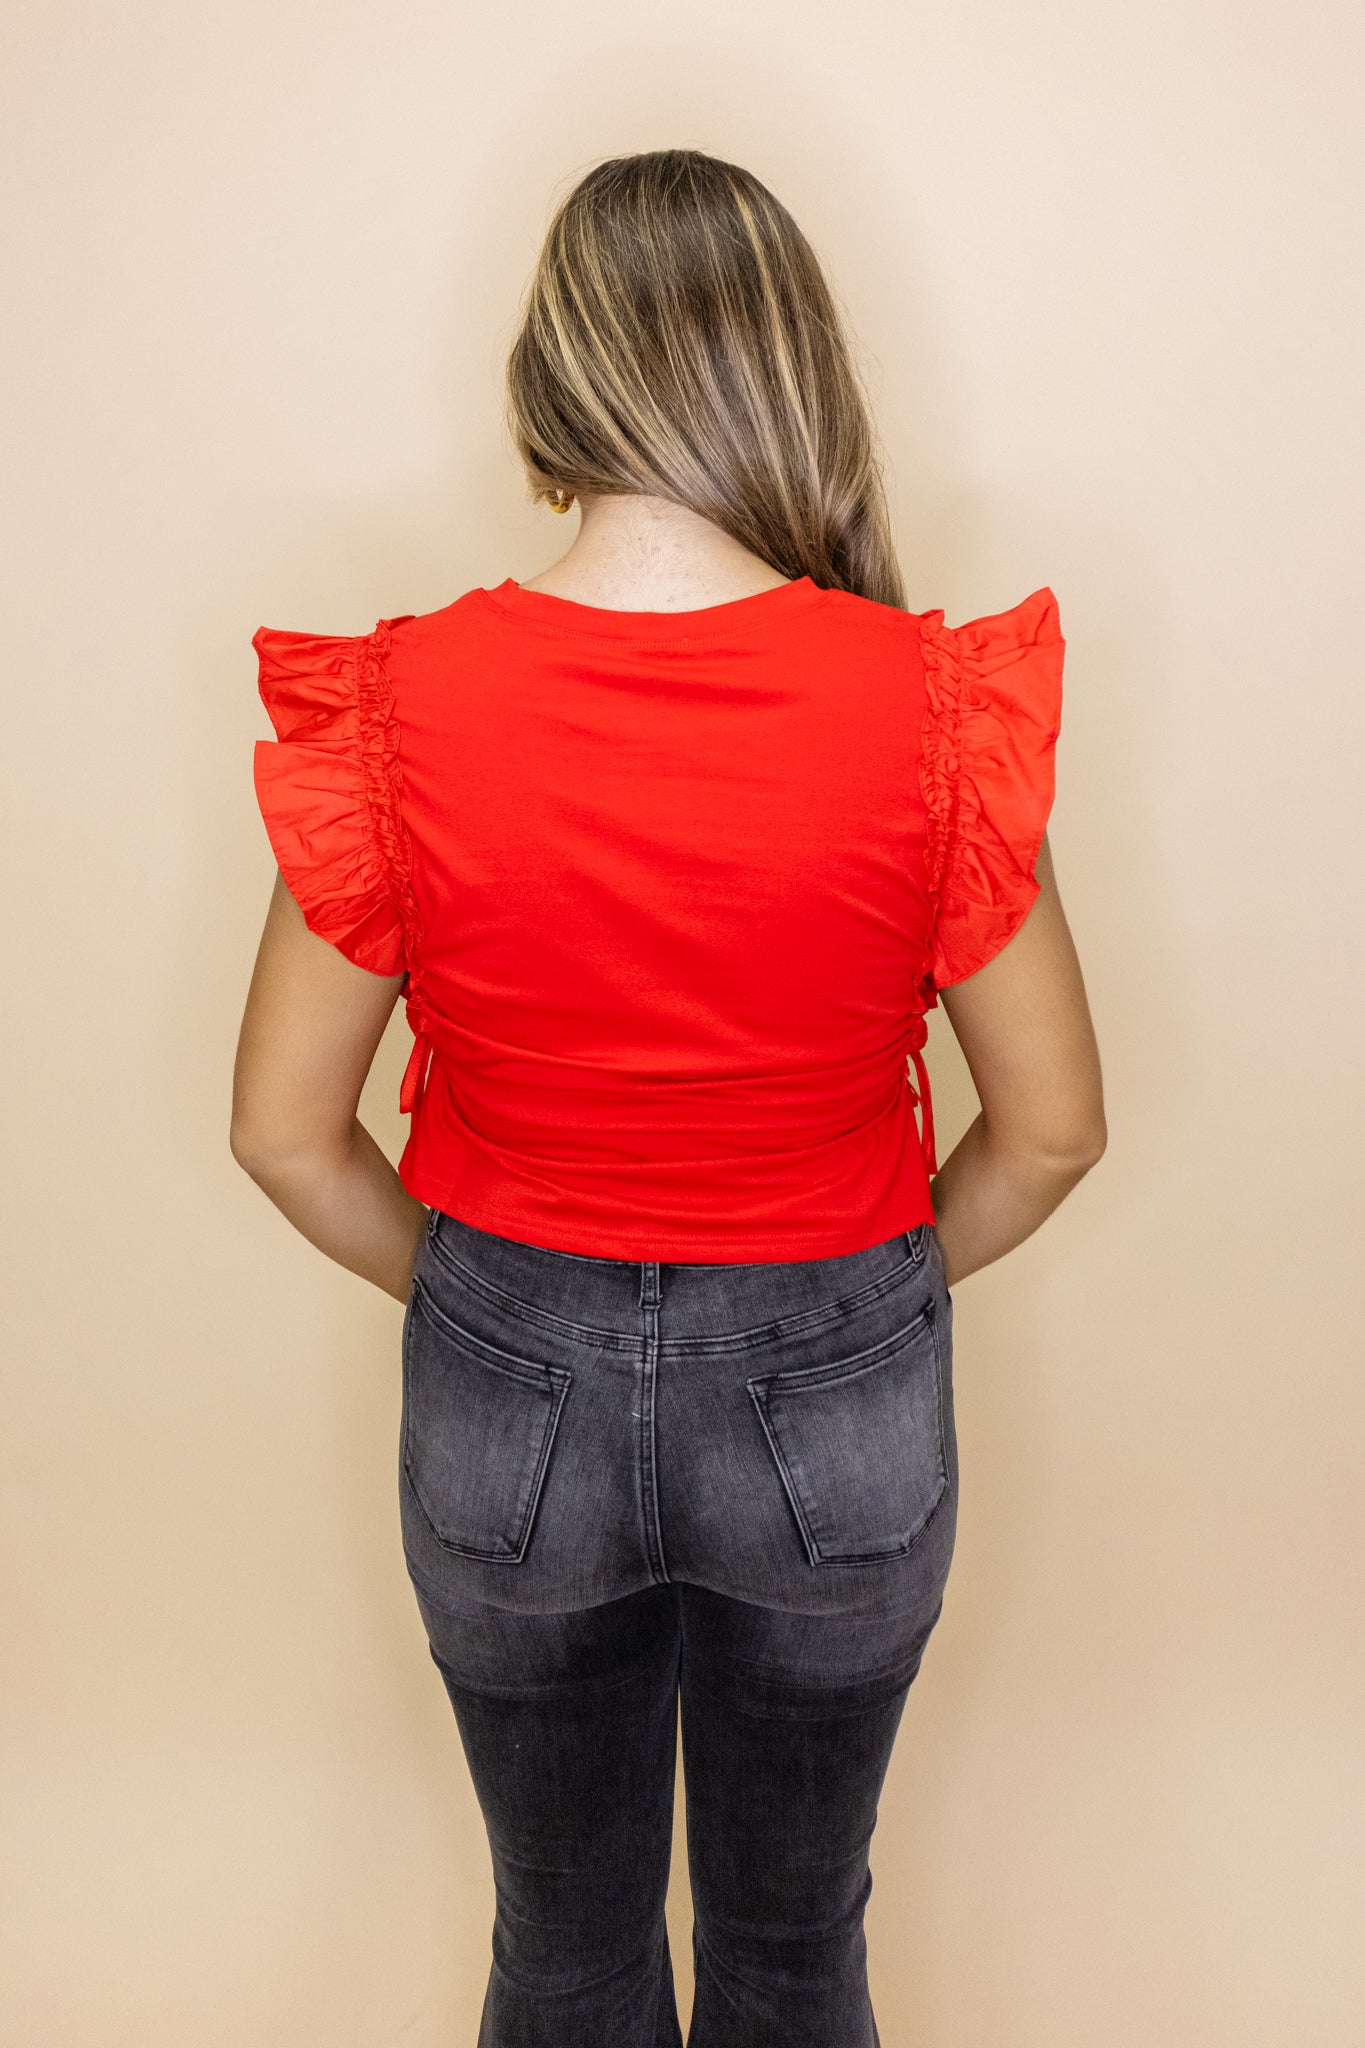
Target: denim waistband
<point>592,1294</point>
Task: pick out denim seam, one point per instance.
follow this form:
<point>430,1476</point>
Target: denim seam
<point>856,1362</point>
<point>648,1381</point>
<point>942,1418</point>
<point>689,1347</point>
<point>801,1321</point>
<point>530,1370</point>
<point>510,1304</point>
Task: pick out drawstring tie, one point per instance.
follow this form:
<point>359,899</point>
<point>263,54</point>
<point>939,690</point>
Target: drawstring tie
<point>414,1085</point>
<point>418,1069</point>
<point>919,1032</point>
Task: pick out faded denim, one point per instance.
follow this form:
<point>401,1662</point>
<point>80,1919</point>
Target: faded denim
<point>632,1488</point>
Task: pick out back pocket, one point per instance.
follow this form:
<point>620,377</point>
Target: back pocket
<point>478,1428</point>
<point>860,1446</point>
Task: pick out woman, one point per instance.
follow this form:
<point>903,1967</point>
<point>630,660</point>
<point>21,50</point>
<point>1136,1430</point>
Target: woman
<point>669,850</point>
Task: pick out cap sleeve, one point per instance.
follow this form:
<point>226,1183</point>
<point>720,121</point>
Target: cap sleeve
<point>987,774</point>
<point>328,787</point>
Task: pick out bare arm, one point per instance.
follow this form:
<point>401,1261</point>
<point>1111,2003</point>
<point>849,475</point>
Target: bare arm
<point>1024,1026</point>
<point>312,1025</point>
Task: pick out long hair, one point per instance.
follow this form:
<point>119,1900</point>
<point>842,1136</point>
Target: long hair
<point>679,339</point>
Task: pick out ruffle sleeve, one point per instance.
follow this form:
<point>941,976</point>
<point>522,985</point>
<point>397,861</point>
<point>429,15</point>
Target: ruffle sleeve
<point>329,788</point>
<point>987,774</point>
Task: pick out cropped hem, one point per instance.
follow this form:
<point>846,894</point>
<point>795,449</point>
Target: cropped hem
<point>793,1247</point>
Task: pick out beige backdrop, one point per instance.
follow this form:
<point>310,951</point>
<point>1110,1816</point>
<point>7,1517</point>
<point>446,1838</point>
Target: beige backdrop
<point>1102,261</point>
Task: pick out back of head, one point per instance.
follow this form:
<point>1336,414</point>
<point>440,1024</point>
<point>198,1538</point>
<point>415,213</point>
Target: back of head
<point>679,339</point>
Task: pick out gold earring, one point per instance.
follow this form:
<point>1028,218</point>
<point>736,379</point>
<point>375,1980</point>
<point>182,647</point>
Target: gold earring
<point>561,501</point>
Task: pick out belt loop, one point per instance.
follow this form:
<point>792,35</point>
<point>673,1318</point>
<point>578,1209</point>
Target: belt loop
<point>649,1283</point>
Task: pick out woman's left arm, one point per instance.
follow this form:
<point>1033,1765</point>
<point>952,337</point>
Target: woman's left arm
<point>311,1029</point>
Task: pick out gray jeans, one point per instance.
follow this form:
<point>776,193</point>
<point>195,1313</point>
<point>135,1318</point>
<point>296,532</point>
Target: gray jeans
<point>632,1489</point>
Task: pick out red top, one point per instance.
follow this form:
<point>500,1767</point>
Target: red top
<point>672,892</point>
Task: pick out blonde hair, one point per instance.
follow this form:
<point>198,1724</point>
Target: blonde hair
<point>679,339</point>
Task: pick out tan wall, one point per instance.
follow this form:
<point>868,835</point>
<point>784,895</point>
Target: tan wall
<point>269,258</point>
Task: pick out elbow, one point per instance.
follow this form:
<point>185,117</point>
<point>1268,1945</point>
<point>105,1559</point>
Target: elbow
<point>261,1154</point>
<point>1073,1152</point>
<point>1092,1152</point>
<point>251,1151</point>
<point>1063,1152</point>
<point>287,1154</point>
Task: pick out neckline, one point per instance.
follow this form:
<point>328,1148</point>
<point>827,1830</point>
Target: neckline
<point>567,618</point>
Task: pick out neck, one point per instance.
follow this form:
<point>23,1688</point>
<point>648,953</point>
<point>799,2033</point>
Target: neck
<point>634,553</point>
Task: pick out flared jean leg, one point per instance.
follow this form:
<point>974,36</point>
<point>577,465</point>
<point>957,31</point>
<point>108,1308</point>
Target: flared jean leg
<point>574,1774</point>
<point>783,1775</point>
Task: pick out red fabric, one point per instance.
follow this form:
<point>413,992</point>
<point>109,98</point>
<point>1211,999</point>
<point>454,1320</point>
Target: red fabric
<point>671,892</point>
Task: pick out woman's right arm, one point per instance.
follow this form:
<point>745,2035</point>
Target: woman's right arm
<point>1024,1026</point>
